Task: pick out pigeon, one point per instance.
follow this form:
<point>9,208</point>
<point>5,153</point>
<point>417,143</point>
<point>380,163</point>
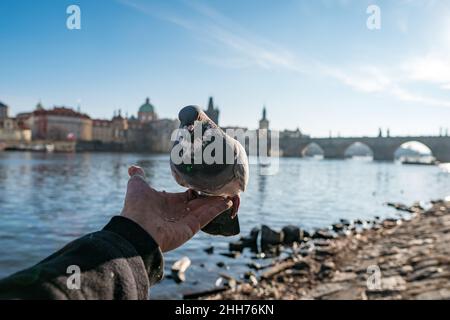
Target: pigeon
<point>225,174</point>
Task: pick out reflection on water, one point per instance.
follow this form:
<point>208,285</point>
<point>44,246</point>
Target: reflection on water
<point>262,182</point>
<point>445,167</point>
<point>47,200</point>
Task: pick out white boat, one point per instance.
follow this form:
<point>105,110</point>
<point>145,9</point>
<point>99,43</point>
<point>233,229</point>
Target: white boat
<point>38,147</point>
<point>49,147</point>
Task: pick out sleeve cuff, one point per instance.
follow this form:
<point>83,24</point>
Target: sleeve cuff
<point>144,244</point>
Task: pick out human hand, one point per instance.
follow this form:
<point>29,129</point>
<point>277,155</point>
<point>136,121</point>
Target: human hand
<point>170,218</point>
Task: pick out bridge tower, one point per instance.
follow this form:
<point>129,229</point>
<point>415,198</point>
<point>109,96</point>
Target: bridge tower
<point>212,112</point>
<point>264,123</point>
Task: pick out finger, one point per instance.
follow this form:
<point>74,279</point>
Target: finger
<point>195,204</point>
<point>202,201</point>
<point>137,185</point>
<point>136,171</point>
<point>177,197</point>
<point>211,209</point>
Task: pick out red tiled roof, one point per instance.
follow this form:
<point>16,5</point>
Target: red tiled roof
<point>24,115</point>
<point>61,111</point>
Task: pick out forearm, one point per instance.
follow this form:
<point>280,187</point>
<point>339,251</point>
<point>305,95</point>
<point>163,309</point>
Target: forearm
<point>119,262</point>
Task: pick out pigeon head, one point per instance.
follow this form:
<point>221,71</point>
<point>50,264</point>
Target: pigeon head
<point>188,115</point>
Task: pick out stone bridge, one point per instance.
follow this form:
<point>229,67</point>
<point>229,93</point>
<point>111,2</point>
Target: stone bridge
<point>383,148</point>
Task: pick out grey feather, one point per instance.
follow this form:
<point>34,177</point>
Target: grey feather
<point>220,179</point>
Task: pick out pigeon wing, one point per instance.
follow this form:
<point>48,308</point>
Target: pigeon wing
<point>241,168</point>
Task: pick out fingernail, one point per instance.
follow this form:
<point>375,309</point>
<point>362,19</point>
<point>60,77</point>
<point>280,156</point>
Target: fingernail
<point>135,170</point>
<point>131,170</point>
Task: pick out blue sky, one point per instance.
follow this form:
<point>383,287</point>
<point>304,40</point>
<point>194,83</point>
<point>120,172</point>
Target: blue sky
<point>314,64</point>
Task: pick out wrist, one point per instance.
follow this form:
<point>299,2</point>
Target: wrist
<point>143,242</point>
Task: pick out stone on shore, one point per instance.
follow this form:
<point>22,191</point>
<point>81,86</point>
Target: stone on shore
<point>179,268</point>
<point>209,250</point>
<point>236,246</point>
<point>323,234</point>
<point>400,207</point>
<point>292,234</point>
<point>232,254</point>
<point>270,237</point>
<point>338,227</point>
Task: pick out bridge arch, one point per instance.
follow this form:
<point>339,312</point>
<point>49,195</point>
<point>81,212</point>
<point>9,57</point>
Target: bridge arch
<point>358,150</point>
<point>313,150</point>
<point>414,151</point>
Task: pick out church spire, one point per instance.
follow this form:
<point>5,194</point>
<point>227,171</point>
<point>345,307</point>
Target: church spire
<point>39,106</point>
<point>264,123</point>
<point>212,112</point>
<point>210,104</point>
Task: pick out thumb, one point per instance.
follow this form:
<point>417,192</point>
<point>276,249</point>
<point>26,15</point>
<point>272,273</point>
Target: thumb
<point>136,171</point>
<point>137,186</point>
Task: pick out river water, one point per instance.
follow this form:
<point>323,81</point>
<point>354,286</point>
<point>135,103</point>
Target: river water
<point>47,200</point>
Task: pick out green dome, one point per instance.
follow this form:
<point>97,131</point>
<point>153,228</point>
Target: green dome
<point>147,107</point>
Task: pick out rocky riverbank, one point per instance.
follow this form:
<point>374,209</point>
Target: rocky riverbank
<point>405,258</point>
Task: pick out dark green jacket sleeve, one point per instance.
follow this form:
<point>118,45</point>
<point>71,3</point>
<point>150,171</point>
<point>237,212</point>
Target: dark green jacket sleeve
<point>119,262</point>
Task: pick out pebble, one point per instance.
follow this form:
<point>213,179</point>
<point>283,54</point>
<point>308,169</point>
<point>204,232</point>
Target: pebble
<point>292,234</point>
<point>254,265</point>
<point>322,234</point>
<point>179,268</point>
<point>301,265</point>
<point>270,237</point>
<point>236,246</point>
<point>233,254</point>
<point>209,250</point>
<point>337,227</point>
